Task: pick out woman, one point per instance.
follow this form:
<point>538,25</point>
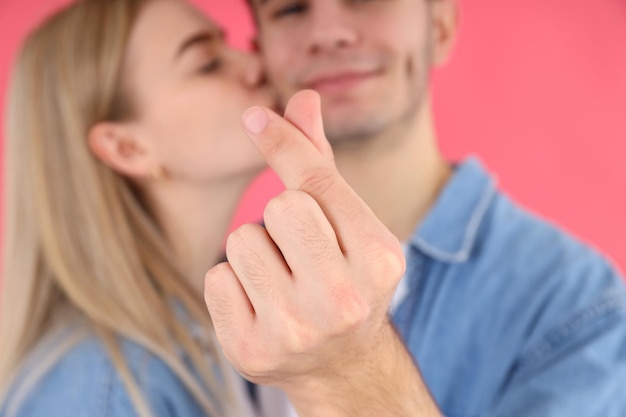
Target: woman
<point>125,161</point>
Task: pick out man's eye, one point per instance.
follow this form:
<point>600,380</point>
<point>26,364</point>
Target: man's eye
<point>211,66</point>
<point>289,10</point>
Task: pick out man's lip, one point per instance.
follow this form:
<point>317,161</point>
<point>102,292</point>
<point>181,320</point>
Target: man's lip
<point>338,81</point>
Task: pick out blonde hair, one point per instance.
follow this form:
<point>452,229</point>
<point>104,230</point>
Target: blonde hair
<point>76,236</point>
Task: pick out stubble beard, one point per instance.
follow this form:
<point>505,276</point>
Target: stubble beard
<point>386,130</point>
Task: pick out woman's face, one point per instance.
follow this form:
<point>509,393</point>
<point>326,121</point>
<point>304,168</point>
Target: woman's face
<point>189,90</point>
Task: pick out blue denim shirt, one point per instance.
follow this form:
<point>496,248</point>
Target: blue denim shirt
<point>506,315</point>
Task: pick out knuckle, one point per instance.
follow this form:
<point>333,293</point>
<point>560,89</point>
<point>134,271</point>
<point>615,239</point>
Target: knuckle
<point>251,360</point>
<point>352,308</point>
<point>317,248</point>
<point>276,143</point>
<point>238,238</point>
<point>384,261</point>
<point>213,277</point>
<point>392,261</point>
<point>256,272</point>
<point>311,239</point>
<point>282,206</point>
<point>242,250</point>
<point>299,215</point>
<point>317,181</point>
<point>300,336</point>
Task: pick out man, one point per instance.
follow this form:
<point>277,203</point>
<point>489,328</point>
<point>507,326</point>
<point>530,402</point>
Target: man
<point>504,314</point>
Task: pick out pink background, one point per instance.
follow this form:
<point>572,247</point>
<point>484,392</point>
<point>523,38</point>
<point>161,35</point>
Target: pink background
<point>537,88</point>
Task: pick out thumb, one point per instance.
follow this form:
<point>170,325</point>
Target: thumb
<point>304,110</point>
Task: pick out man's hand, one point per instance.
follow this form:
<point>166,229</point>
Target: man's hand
<point>302,303</point>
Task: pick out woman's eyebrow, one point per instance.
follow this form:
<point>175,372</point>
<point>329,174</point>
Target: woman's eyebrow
<point>197,38</point>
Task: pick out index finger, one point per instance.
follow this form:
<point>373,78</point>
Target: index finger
<point>299,153</point>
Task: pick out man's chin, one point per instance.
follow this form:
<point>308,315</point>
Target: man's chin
<point>342,132</point>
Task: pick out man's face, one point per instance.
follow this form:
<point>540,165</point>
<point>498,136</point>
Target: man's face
<point>369,59</point>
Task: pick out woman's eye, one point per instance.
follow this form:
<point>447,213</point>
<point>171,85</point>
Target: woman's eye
<point>290,9</point>
<point>210,67</point>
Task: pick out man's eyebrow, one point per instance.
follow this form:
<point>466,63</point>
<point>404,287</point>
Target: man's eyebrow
<point>200,37</point>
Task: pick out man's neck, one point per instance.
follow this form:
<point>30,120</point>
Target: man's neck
<point>400,183</point>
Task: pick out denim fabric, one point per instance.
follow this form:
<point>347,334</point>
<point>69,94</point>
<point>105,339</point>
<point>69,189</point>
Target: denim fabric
<point>85,383</point>
<point>506,315</point>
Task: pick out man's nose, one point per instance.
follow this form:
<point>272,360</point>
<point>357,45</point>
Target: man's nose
<point>331,28</point>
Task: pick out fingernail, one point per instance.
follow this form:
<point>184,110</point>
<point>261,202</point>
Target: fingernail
<point>255,120</point>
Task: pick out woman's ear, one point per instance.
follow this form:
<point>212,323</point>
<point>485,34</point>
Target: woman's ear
<point>445,20</point>
<point>116,146</point>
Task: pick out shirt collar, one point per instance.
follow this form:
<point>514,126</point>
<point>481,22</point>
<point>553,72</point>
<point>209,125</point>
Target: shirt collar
<point>448,232</point>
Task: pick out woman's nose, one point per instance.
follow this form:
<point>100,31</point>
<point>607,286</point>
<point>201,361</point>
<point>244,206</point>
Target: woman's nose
<point>252,72</point>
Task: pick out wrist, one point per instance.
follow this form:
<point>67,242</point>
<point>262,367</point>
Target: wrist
<point>381,380</point>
